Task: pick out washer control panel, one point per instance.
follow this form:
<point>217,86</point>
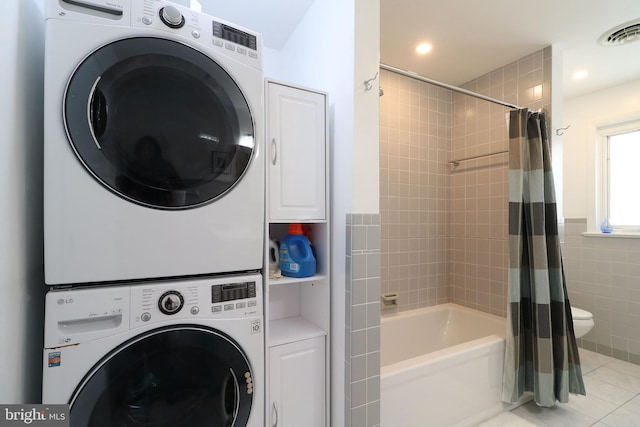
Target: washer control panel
<point>232,291</point>
<point>230,297</point>
<point>82,314</point>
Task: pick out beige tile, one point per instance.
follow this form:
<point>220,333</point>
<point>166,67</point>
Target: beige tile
<point>622,418</point>
<point>592,406</point>
<point>557,416</point>
<point>606,390</point>
<point>508,419</point>
<point>633,405</point>
<point>591,360</point>
<point>625,368</point>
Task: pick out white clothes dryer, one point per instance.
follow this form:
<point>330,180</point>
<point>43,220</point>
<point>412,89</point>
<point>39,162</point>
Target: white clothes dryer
<point>169,354</point>
<point>153,143</point>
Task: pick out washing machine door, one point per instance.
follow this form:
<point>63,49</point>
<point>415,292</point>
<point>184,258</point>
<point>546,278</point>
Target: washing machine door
<point>159,123</point>
<point>184,376</point>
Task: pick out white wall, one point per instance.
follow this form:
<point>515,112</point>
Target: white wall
<point>366,151</point>
<point>21,268</point>
<point>585,114</point>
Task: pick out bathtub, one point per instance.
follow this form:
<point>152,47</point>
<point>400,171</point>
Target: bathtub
<point>441,366</point>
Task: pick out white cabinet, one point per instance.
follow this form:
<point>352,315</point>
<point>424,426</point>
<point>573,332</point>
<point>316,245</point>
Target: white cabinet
<point>296,139</point>
<point>298,309</point>
<point>298,384</point>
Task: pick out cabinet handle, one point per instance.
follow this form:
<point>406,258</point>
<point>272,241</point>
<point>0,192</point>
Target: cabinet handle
<point>274,151</point>
<point>274,415</point>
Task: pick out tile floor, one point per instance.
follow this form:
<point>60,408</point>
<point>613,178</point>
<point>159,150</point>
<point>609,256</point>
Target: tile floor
<point>613,399</point>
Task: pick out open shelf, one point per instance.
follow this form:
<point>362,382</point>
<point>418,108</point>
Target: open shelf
<point>286,280</point>
<point>291,329</point>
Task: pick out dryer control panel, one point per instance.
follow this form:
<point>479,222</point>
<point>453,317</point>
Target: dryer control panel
<point>216,34</point>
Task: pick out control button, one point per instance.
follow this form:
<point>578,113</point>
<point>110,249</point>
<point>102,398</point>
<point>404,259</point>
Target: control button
<point>228,307</point>
<point>145,317</point>
<point>252,303</point>
<point>253,55</point>
<point>171,17</point>
<point>216,309</point>
<point>247,374</point>
<point>240,305</point>
<point>170,302</point>
<point>195,34</point>
<point>195,310</point>
<point>217,42</point>
<point>147,21</point>
<point>229,46</point>
<point>241,51</point>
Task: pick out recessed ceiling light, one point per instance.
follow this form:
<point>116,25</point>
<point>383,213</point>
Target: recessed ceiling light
<point>579,74</point>
<point>423,48</point>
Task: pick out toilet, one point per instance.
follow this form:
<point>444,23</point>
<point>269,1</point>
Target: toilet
<point>582,321</point>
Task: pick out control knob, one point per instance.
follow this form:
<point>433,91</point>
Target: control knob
<point>171,17</point>
<point>170,302</point>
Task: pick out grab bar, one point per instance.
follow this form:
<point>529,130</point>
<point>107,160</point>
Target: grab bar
<point>456,163</point>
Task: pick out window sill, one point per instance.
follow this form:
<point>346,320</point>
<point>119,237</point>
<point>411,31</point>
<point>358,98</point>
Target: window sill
<point>614,235</point>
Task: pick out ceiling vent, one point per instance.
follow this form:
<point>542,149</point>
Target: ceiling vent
<point>622,34</point>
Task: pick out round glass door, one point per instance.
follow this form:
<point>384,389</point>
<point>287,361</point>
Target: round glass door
<point>159,123</point>
<point>186,376</point>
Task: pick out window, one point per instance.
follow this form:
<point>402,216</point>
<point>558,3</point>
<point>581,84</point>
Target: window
<point>621,177</point>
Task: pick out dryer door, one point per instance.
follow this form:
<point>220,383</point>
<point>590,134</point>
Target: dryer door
<point>183,376</point>
<point>159,123</point>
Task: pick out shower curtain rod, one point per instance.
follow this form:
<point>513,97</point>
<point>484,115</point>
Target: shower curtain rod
<point>448,86</point>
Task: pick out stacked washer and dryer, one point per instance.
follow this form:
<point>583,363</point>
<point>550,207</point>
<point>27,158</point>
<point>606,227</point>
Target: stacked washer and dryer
<point>154,216</point>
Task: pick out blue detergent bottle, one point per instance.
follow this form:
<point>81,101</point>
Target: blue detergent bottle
<point>296,256</point>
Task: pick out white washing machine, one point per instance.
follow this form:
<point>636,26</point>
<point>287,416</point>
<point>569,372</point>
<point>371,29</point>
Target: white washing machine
<point>153,143</point>
<point>174,354</point>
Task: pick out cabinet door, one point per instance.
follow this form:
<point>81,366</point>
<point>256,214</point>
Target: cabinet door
<point>297,384</point>
<point>296,140</point>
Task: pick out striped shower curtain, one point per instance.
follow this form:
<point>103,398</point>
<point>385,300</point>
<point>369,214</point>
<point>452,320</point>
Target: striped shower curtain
<point>541,354</point>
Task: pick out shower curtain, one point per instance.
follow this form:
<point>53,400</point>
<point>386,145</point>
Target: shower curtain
<point>541,354</point>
